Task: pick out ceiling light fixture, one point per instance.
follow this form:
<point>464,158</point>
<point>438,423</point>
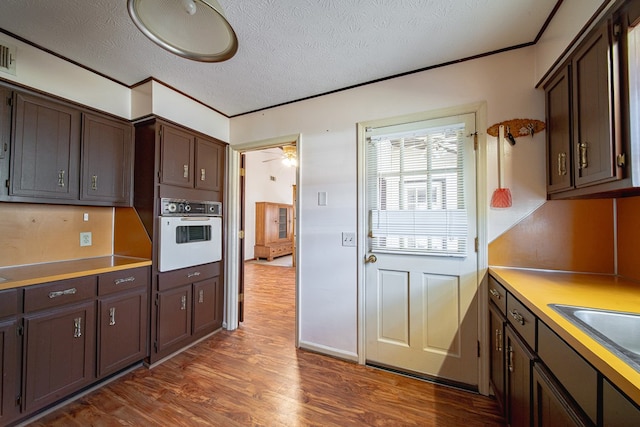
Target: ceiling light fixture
<point>193,29</point>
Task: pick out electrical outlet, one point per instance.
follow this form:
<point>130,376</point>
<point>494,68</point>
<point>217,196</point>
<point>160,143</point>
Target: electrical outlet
<point>85,238</point>
<point>348,239</point>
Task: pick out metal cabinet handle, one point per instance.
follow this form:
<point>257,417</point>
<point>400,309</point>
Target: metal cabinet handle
<point>194,274</point>
<point>517,316</point>
<point>185,171</point>
<point>77,327</point>
<point>94,182</point>
<point>183,302</point>
<point>495,293</point>
<point>498,340</point>
<point>562,164</point>
<point>56,294</point>
<point>61,178</point>
<point>125,280</point>
<point>201,296</point>
<point>510,363</point>
<point>583,155</point>
<point>371,259</point>
<point>112,316</point>
<point>203,174</point>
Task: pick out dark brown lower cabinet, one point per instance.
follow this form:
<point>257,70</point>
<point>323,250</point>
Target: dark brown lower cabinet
<point>207,316</point>
<point>122,331</point>
<point>551,407</point>
<point>9,371</point>
<point>518,380</point>
<point>496,373</point>
<point>617,409</point>
<point>174,317</point>
<point>60,353</point>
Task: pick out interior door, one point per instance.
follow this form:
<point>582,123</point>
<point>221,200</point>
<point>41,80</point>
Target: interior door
<point>243,162</point>
<point>421,268</point>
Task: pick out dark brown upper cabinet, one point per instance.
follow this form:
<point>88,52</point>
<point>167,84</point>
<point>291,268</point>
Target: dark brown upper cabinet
<point>45,149</point>
<point>208,165</point>
<point>591,151</point>
<point>107,160</point>
<point>63,154</point>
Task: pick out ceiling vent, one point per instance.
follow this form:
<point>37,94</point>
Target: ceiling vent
<point>7,58</point>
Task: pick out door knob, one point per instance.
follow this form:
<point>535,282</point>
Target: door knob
<point>371,259</point>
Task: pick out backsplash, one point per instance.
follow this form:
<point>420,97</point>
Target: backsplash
<point>33,233</point>
<point>566,235</point>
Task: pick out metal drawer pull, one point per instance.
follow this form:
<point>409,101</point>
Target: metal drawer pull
<point>562,164</point>
<point>126,279</point>
<point>510,350</point>
<point>112,316</point>
<point>495,293</point>
<point>201,296</point>
<point>498,340</point>
<point>194,274</point>
<point>61,178</point>
<point>185,171</point>
<point>56,294</point>
<point>517,316</point>
<point>94,182</point>
<point>584,159</point>
<point>203,174</point>
<point>183,302</point>
<point>77,327</point>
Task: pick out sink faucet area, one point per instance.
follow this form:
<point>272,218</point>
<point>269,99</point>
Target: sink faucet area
<point>617,331</point>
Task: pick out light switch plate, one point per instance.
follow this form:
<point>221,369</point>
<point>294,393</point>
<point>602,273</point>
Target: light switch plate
<point>85,238</point>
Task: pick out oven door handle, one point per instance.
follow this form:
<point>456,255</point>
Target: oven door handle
<point>196,218</point>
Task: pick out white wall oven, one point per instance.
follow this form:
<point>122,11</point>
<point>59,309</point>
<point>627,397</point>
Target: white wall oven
<point>190,233</point>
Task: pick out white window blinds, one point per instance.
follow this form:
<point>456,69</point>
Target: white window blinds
<point>416,190</point>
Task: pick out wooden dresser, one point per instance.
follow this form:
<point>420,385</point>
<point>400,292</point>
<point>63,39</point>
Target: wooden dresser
<point>274,230</point>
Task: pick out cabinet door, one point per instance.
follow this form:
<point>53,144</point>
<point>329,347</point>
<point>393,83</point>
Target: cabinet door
<point>558,104</point>
<point>518,380</point>
<point>122,328</point>
<point>107,154</point>
<point>592,132</point>
<point>45,149</point>
<point>551,407</point>
<point>209,165</point>
<point>9,371</point>
<point>617,409</point>
<point>60,353</point>
<point>174,317</point>
<point>496,373</point>
<point>207,315</point>
<point>176,162</point>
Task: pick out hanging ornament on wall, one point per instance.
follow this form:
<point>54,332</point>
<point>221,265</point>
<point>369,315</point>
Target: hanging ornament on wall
<point>516,128</point>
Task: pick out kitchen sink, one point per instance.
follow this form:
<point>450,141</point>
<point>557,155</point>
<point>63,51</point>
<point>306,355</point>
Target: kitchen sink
<point>617,331</point>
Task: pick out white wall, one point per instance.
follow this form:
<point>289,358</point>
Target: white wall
<point>328,153</point>
<point>259,168</point>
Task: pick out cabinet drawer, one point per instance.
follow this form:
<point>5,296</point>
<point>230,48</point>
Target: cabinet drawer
<point>523,321</point>
<point>171,279</point>
<point>571,370</point>
<point>498,294</point>
<point>54,294</point>
<point>122,280</point>
<point>8,302</point>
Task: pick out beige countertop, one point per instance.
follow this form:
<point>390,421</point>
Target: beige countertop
<point>24,275</point>
<point>536,289</point>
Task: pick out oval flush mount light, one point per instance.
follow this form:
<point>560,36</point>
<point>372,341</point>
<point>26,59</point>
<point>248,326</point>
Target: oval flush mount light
<point>193,29</point>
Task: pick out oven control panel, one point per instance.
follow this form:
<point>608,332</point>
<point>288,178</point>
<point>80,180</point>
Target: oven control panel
<point>176,207</point>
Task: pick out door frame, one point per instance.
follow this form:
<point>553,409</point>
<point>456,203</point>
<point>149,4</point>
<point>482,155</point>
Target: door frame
<point>233,224</point>
<point>480,111</point>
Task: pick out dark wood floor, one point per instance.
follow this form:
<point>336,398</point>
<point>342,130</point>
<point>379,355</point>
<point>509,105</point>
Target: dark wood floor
<point>254,376</point>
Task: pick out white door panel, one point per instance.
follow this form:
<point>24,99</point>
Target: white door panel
<point>421,305</point>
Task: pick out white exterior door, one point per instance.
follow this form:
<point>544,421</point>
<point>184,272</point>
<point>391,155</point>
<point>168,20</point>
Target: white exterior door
<point>421,279</point>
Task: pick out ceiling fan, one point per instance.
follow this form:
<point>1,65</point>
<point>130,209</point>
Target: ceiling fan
<point>289,156</point>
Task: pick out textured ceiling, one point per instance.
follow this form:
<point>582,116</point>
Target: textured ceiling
<point>288,49</point>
